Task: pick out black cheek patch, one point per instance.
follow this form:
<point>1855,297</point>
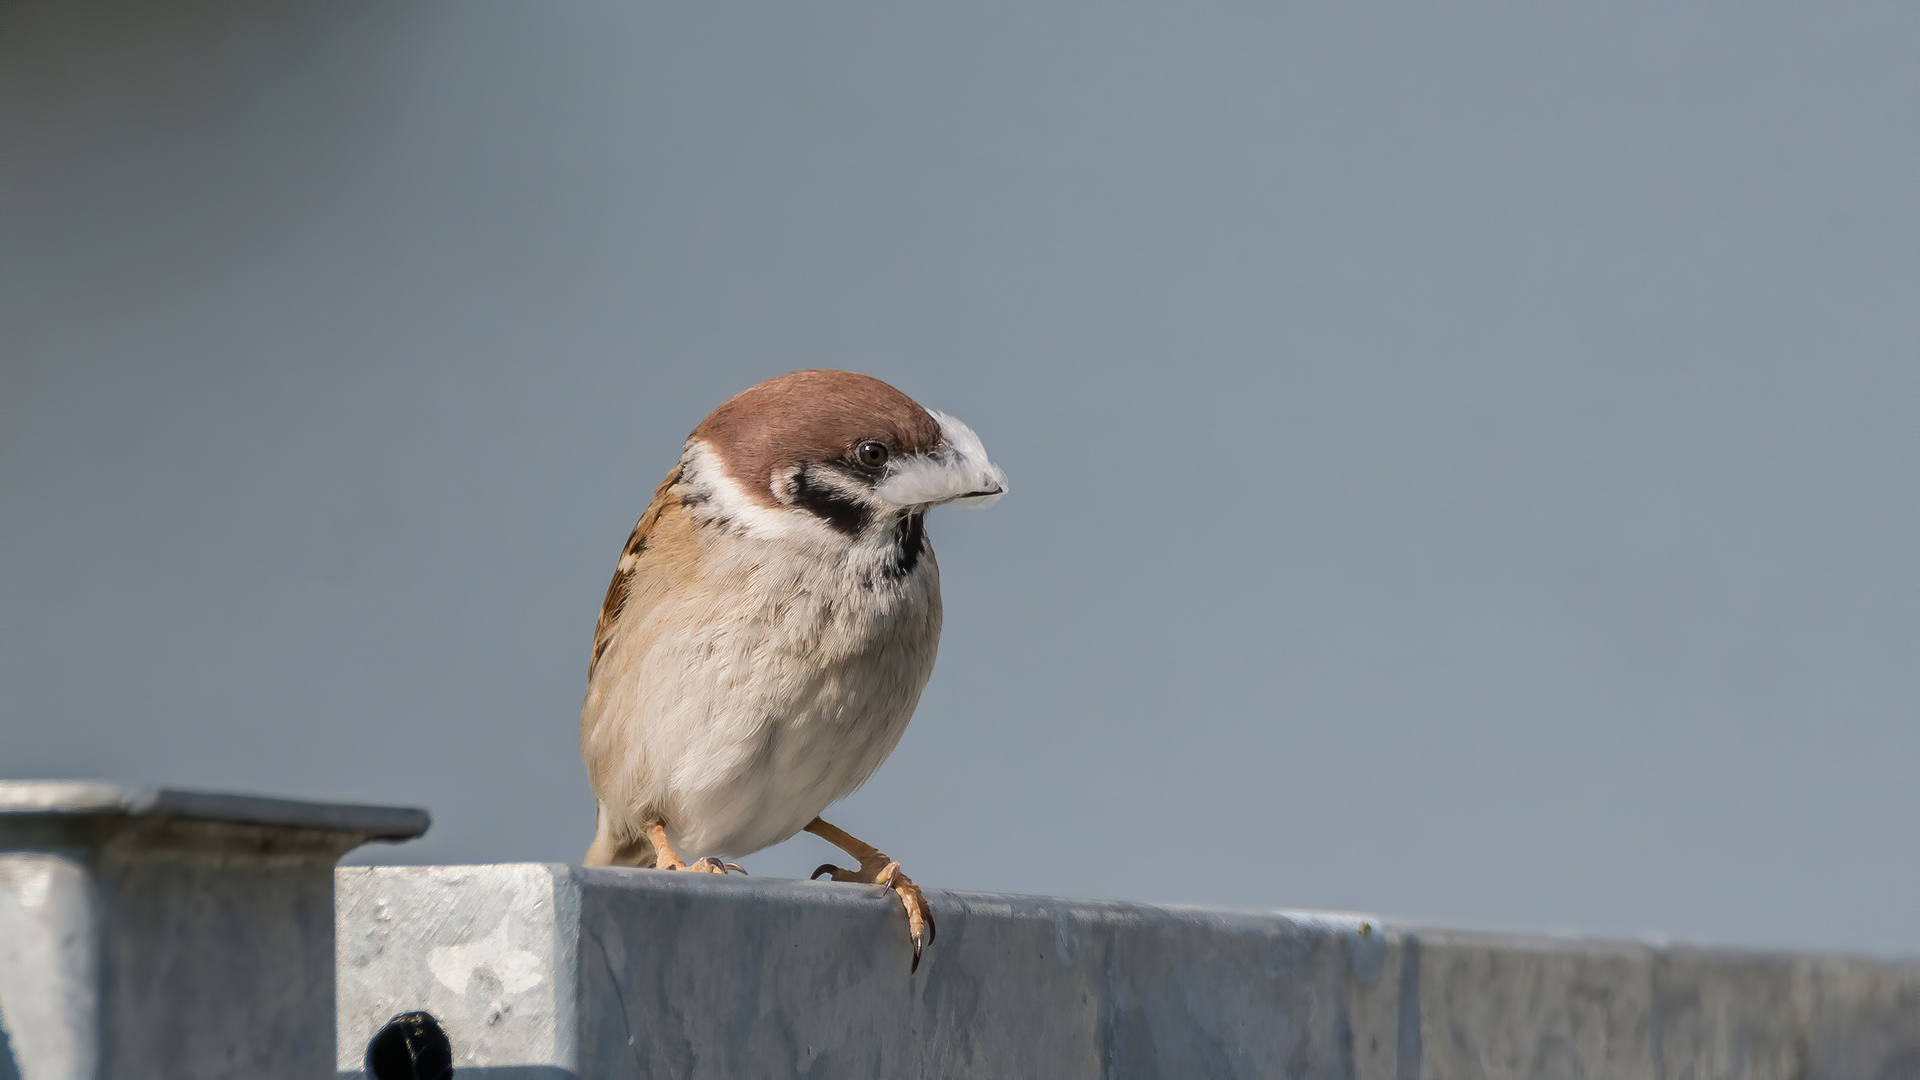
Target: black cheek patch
<point>845,514</point>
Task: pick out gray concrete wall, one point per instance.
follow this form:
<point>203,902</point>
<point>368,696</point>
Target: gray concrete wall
<point>554,971</point>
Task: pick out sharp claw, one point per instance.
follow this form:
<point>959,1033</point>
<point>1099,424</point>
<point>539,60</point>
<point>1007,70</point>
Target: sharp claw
<point>735,867</point>
<point>921,941</point>
<point>826,868</point>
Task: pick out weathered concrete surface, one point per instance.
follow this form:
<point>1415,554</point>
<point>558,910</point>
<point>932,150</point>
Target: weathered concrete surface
<point>554,971</point>
<point>170,933</point>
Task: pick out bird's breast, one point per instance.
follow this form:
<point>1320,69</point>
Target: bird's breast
<point>761,689</point>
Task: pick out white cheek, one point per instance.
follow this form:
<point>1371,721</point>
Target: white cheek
<point>723,499</point>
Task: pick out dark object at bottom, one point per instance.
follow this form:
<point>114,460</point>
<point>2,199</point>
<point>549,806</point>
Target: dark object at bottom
<point>411,1047</point>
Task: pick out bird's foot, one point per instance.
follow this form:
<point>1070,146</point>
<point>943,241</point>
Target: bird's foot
<point>709,865</point>
<point>880,870</point>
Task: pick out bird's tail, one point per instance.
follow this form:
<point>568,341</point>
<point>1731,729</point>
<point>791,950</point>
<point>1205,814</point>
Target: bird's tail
<point>610,848</point>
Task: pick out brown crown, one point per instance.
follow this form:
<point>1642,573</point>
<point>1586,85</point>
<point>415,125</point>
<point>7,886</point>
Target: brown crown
<point>811,416</point>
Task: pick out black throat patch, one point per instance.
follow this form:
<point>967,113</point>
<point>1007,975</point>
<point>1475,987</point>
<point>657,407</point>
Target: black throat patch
<point>909,543</point>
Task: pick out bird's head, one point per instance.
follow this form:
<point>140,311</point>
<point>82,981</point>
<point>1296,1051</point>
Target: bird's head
<point>847,450</point>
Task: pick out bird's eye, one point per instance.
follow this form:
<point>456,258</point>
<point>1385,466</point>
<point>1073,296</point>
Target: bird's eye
<point>872,453</point>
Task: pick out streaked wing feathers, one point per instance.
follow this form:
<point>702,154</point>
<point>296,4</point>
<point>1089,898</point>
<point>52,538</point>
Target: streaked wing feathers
<point>623,574</point>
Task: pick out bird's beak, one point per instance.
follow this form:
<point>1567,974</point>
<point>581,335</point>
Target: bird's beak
<point>957,473</point>
<point>976,498</point>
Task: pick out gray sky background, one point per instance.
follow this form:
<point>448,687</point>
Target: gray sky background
<point>1464,456</point>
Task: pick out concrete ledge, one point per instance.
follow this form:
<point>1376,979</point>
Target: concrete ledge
<point>170,934</point>
<point>52,799</point>
<point>555,971</point>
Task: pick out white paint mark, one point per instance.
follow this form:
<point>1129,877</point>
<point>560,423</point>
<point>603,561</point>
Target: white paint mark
<point>32,884</point>
<point>455,965</point>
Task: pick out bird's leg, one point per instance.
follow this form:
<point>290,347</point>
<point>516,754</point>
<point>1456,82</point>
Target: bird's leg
<point>663,855</point>
<point>665,859</point>
<point>877,869</point>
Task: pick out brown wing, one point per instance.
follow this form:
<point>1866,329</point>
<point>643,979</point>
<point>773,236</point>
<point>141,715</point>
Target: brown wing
<point>623,574</point>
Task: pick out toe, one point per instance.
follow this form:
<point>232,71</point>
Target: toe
<point>919,914</point>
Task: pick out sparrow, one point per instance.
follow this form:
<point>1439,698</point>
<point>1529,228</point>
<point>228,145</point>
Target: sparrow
<point>770,625</point>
